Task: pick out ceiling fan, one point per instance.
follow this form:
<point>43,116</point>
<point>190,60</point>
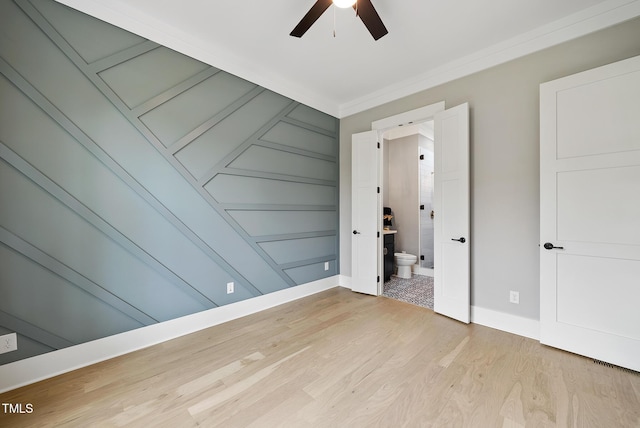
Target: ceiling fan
<point>364,9</point>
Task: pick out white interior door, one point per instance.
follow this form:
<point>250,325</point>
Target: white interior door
<point>364,220</point>
<point>451,206</point>
<point>590,213</point>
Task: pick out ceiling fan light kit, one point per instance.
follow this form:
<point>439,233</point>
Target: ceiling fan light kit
<point>344,3</point>
<point>364,9</point>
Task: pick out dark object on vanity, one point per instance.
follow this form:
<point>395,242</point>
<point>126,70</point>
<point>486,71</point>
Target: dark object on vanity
<point>387,218</point>
<point>389,250</point>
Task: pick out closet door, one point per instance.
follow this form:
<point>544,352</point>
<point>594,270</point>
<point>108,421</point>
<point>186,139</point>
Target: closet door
<point>590,213</point>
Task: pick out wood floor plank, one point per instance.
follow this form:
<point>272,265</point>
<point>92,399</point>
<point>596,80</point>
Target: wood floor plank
<point>337,359</point>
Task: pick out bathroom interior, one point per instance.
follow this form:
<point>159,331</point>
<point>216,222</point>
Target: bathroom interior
<point>408,216</point>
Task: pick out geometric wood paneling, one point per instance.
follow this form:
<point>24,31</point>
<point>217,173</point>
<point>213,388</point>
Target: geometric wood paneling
<point>291,135</point>
<point>206,151</point>
<point>105,41</point>
<point>78,244</point>
<point>316,269</point>
<point>310,117</point>
<point>135,182</point>
<point>57,307</point>
<point>193,107</point>
<point>130,79</point>
<point>264,159</point>
<point>287,251</point>
<point>234,189</point>
<point>264,223</point>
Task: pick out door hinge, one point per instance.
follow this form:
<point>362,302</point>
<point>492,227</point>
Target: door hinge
<point>378,278</point>
<point>378,190</point>
<point>378,144</point>
<point>421,157</point>
<point>378,234</point>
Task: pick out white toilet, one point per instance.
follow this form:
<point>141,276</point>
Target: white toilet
<point>404,262</point>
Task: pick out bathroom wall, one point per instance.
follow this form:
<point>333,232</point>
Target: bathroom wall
<point>426,166</point>
<point>385,173</point>
<point>404,193</point>
<point>408,183</point>
<point>136,182</point>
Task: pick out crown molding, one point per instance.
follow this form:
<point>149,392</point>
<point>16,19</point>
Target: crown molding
<point>573,26</point>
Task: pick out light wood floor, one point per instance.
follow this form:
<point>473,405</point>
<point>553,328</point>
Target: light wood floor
<point>338,359</point>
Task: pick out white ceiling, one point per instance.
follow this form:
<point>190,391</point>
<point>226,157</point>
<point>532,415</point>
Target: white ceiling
<point>429,42</point>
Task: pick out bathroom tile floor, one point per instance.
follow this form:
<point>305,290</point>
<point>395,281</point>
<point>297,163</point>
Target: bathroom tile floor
<point>418,290</point>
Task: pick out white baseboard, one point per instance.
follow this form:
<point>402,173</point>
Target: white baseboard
<point>344,281</point>
<point>506,322</point>
<point>489,318</point>
<point>40,367</point>
<point>423,271</point>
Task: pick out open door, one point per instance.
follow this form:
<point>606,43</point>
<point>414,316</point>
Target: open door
<point>590,213</point>
<point>452,206</point>
<point>364,220</point>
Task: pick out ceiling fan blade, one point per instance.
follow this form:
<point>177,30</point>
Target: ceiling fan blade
<point>307,21</point>
<point>370,18</point>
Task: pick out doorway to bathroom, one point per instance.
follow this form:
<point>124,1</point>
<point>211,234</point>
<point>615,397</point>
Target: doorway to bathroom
<point>408,190</point>
<point>408,213</point>
<point>451,199</point>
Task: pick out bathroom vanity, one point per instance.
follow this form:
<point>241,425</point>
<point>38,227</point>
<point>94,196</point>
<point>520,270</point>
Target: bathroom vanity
<point>388,252</point>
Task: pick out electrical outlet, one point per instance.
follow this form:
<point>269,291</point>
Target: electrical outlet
<point>8,343</point>
<point>514,297</point>
<point>326,265</point>
<point>229,287</point>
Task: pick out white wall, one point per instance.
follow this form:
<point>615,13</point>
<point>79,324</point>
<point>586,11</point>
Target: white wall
<point>403,192</point>
<point>504,103</point>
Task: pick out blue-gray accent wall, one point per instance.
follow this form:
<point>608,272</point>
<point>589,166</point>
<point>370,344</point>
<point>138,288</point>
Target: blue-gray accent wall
<point>136,182</point>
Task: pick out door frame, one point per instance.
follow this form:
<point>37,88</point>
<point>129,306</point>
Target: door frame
<point>411,117</point>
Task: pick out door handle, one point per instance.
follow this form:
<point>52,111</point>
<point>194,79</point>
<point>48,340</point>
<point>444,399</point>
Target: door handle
<point>355,232</point>
<point>550,246</point>
<point>459,239</point>
<point>385,251</point>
